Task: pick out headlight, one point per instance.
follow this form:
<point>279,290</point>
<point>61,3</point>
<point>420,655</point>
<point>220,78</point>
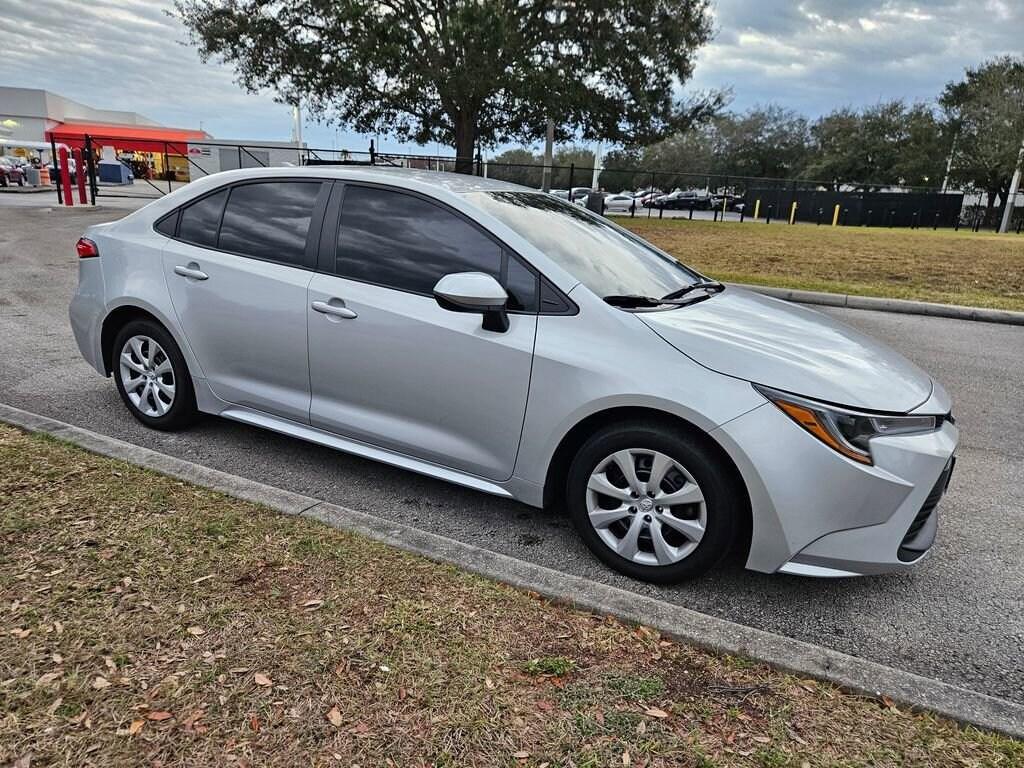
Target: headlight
<point>842,430</point>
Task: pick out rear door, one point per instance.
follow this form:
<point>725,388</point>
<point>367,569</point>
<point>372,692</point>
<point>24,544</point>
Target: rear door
<point>238,269</point>
<point>396,370</point>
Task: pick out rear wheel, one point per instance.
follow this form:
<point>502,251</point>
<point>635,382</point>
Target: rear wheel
<point>652,502</point>
<point>152,377</point>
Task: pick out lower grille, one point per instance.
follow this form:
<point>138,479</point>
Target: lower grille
<point>917,539</point>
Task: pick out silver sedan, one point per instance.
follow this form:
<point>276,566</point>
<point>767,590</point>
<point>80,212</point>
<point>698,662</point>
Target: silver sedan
<point>500,338</point>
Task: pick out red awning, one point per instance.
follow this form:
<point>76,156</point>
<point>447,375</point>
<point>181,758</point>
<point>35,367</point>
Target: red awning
<point>136,138</point>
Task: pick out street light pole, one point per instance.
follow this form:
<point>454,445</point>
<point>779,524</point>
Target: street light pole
<point>1011,196</point>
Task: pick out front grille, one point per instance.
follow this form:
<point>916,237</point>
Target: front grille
<point>910,549</point>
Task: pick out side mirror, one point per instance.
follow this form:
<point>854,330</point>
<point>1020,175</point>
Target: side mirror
<point>474,292</point>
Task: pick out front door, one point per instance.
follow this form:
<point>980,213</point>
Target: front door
<point>238,269</point>
<point>394,369</point>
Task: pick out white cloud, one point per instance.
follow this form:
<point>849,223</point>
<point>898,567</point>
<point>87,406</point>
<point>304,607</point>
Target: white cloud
<point>816,55</point>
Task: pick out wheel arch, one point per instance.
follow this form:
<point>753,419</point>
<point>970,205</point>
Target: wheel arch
<point>558,467</point>
<point>122,314</point>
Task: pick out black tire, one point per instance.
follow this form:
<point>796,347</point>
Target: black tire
<point>724,502</point>
<point>182,411</point>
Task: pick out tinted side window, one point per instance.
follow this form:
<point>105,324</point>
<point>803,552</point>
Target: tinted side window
<point>168,224</point>
<point>404,242</point>
<point>199,221</point>
<point>269,220</point>
<point>521,285</point>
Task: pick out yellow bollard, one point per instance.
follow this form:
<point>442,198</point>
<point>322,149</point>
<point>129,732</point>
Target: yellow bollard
<point>792,213</point>
<point>835,216</point>
<point>757,208</point>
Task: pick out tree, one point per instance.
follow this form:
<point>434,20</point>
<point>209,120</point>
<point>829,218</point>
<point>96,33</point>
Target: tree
<point>986,114</point>
<point>467,72</point>
<point>766,141</point>
<point>519,166</point>
<point>888,143</point>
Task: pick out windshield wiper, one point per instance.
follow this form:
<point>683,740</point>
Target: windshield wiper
<point>710,285</point>
<point>634,300</point>
<point>631,300</point>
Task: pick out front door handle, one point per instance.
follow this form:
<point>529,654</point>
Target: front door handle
<point>192,271</point>
<point>333,309</point>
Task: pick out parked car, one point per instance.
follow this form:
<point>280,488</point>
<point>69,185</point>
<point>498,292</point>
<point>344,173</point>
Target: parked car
<point>11,172</point>
<point>731,201</point>
<point>619,203</point>
<point>72,172</point>
<point>499,338</point>
<point>682,199</point>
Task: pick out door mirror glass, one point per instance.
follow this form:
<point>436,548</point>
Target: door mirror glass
<point>474,292</point>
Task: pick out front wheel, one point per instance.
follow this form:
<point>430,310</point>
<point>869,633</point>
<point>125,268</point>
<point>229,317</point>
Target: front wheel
<point>152,377</point>
<point>652,502</point>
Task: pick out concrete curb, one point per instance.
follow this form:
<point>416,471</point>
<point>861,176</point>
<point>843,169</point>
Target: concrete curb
<point>902,306</point>
<point>852,673</point>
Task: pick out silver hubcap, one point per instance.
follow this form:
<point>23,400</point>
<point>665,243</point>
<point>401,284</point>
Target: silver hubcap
<point>646,507</point>
<point>147,376</point>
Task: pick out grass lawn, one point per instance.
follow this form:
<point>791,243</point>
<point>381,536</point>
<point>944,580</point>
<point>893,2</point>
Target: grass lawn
<point>149,622</point>
<point>983,270</point>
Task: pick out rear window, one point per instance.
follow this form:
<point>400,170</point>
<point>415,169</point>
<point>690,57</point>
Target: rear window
<point>269,220</point>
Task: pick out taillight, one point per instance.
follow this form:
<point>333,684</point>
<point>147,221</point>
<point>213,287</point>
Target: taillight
<point>86,248</point>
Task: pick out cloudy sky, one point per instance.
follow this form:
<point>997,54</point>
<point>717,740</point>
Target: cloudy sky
<point>811,56</point>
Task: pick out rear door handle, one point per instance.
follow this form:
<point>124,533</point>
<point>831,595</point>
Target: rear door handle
<point>191,271</point>
<point>333,309</point>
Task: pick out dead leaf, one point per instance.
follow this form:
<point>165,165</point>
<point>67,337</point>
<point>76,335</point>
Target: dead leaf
<point>100,683</point>
<point>23,762</point>
<point>135,727</point>
<point>521,755</point>
<point>20,633</point>
<point>158,716</point>
<point>196,631</point>
<point>49,677</point>
<point>489,683</point>
<point>625,757</point>
<point>260,679</point>
<point>312,605</point>
<point>334,717</point>
<point>762,740</point>
<point>655,712</point>
<point>254,724</point>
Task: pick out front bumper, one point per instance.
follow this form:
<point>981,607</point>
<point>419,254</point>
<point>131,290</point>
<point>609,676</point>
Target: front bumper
<point>818,513</point>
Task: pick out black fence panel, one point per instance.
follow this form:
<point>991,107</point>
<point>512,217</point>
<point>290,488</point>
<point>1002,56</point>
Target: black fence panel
<point>871,209</point>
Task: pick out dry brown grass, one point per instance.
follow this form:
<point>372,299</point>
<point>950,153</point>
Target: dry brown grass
<point>149,622</point>
<point>984,270</point>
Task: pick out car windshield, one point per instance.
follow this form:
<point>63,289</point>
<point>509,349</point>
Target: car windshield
<point>602,257</point>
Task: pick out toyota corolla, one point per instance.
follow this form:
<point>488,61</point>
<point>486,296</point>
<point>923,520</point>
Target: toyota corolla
<point>496,337</point>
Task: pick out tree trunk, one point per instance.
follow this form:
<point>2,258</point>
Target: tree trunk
<point>465,138</point>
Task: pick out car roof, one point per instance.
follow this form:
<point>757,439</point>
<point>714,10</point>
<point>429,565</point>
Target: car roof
<point>410,178</point>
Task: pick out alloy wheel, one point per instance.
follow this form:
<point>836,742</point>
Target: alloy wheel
<point>147,376</point>
<point>646,507</point>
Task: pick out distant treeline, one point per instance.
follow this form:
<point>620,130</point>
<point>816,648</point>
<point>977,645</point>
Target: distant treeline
<point>979,121</point>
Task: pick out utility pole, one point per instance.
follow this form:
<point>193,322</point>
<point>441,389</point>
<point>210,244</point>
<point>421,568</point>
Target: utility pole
<point>1011,196</point>
<point>949,162</point>
<point>549,154</point>
<point>297,124</point>
<point>598,167</point>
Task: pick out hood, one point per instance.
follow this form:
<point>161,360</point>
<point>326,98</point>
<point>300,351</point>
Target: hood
<point>789,347</point>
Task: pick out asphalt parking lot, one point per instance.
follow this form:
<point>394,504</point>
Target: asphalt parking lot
<point>958,617</point>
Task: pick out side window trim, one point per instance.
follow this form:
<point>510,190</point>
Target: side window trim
<point>332,225</point>
<point>313,235</point>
